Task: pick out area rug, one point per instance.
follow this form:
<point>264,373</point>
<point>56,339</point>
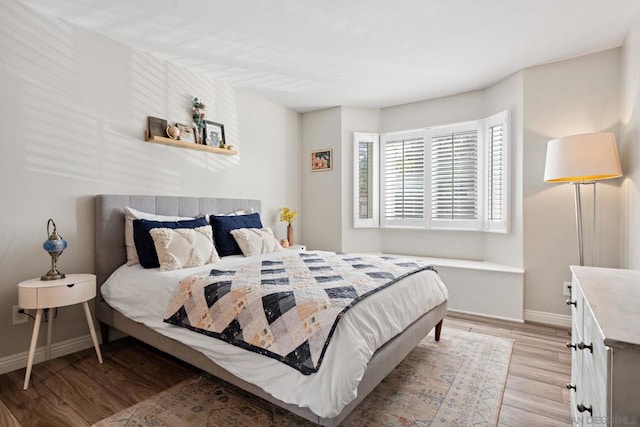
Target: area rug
<point>458,381</point>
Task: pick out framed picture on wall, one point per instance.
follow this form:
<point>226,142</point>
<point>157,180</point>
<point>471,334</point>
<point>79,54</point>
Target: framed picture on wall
<point>214,134</point>
<point>322,160</point>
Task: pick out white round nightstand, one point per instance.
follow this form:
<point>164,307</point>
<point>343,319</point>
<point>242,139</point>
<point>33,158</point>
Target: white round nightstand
<point>38,294</point>
<point>298,247</point>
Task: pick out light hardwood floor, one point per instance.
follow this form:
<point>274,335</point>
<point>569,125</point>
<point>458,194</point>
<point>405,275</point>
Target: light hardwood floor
<point>73,391</point>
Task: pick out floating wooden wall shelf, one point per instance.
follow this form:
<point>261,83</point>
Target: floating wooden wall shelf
<point>189,145</point>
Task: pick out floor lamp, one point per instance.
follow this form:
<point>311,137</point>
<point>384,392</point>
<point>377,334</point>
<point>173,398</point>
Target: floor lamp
<point>582,160</point>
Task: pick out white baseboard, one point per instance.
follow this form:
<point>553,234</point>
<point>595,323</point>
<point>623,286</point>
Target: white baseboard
<point>19,360</point>
<point>554,319</point>
<point>488,316</point>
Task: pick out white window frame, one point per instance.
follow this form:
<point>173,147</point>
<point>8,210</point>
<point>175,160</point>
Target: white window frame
<point>374,221</point>
<point>458,224</point>
<point>392,136</point>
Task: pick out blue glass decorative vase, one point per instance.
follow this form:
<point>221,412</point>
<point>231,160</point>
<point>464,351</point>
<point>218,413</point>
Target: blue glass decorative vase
<point>54,245</point>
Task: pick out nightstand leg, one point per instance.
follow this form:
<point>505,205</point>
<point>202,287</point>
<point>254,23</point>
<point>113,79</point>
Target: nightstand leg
<point>49,332</point>
<point>32,347</point>
<point>92,329</point>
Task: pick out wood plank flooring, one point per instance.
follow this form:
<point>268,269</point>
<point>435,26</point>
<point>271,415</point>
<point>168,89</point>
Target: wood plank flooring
<point>73,391</point>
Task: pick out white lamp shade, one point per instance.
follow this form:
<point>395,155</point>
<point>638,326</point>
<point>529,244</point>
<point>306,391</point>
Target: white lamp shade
<point>585,157</point>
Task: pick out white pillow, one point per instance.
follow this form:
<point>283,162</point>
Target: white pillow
<point>255,241</point>
<point>129,215</point>
<point>184,247</point>
<point>240,212</point>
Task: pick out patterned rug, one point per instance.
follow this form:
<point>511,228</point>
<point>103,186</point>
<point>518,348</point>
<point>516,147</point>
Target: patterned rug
<point>458,381</point>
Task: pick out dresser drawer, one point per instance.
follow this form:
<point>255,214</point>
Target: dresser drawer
<point>598,360</point>
<point>576,358</point>
<point>590,401</point>
<point>35,294</point>
<point>577,311</point>
<point>60,296</point>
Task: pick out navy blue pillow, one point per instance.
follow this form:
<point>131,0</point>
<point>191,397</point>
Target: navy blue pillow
<point>222,226</point>
<point>144,242</point>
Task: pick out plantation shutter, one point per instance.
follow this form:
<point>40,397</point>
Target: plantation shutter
<point>495,172</point>
<point>366,200</point>
<point>365,208</point>
<point>404,179</point>
<point>454,175</point>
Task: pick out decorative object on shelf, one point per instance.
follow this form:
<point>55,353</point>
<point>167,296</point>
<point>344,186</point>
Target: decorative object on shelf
<point>322,160</point>
<point>288,215</point>
<point>173,132</point>
<point>198,114</point>
<point>583,160</point>
<point>284,243</point>
<point>187,133</point>
<point>54,245</point>
<point>157,127</point>
<point>214,134</point>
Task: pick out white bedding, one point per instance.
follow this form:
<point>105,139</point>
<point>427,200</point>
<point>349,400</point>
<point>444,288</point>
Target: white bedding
<point>142,295</point>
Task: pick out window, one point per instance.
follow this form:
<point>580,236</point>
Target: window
<point>445,177</point>
<point>403,184</point>
<point>497,172</point>
<point>454,176</point>
<point>365,178</point>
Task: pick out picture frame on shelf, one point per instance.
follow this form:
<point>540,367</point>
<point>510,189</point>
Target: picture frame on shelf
<point>187,133</point>
<point>214,134</point>
<point>157,127</point>
<point>322,160</point>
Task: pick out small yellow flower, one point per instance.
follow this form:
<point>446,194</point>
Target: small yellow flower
<point>287,215</point>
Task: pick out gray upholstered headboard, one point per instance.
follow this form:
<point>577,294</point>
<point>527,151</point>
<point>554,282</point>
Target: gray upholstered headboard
<point>110,248</point>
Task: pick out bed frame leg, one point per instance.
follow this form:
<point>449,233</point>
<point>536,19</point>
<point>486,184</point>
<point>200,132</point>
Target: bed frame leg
<point>438,330</point>
<point>104,332</point>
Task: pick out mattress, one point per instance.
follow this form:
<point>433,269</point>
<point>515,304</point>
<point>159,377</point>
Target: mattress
<point>143,294</point>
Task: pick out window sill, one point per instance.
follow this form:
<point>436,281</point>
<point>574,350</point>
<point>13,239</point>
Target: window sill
<point>447,229</point>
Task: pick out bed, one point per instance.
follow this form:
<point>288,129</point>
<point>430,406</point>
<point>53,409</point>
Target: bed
<point>111,256</point>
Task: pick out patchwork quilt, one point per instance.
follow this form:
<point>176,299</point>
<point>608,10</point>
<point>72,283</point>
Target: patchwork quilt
<point>288,308</point>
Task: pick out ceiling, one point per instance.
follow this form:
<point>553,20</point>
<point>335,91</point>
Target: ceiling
<point>308,55</point>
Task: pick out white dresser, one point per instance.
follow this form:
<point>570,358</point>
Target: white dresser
<point>605,343</point>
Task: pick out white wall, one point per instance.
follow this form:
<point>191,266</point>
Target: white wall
<point>356,239</point>
<point>322,198</point>
<point>507,95</point>
<point>575,96</point>
<point>630,148</point>
<point>73,109</point>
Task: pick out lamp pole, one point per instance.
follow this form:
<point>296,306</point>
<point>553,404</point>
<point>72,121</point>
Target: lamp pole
<point>579,221</point>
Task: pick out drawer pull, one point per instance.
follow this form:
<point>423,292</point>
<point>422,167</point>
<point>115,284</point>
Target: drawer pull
<point>573,303</point>
<point>573,346</point>
<point>71,285</point>
<point>571,386</point>
<point>582,346</point>
<point>582,408</point>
